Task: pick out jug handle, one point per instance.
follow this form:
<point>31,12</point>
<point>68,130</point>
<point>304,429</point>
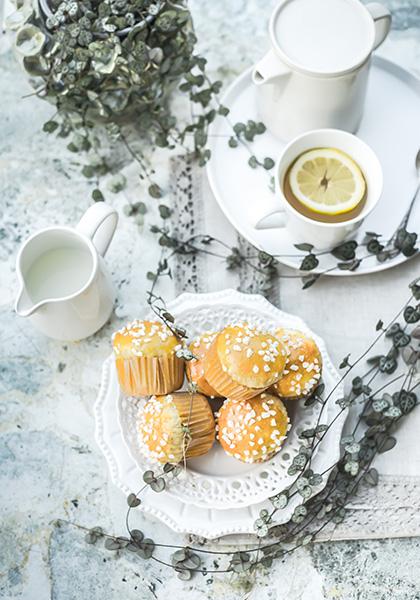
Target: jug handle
<point>269,69</point>
<point>382,20</point>
<point>98,224</point>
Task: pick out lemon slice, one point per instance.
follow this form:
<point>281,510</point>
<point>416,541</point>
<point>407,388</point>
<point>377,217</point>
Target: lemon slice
<point>327,181</point>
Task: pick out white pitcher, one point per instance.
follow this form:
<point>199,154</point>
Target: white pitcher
<point>65,290</point>
<point>315,75</point>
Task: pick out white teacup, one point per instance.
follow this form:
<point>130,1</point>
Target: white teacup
<point>316,73</point>
<point>280,214</point>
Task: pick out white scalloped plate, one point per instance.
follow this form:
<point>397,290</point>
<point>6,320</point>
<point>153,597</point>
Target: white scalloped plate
<point>217,480</point>
<point>183,506</point>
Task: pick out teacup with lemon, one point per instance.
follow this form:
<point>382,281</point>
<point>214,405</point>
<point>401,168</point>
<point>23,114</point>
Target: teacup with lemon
<point>325,184</point>
<point>327,181</point>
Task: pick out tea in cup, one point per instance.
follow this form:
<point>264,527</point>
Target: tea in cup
<point>327,182</point>
<point>326,185</point>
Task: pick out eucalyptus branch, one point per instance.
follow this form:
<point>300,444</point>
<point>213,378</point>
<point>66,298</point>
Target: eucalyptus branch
<point>381,416</point>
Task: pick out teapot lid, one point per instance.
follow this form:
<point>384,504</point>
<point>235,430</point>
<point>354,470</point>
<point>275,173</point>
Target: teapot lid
<point>323,36</point>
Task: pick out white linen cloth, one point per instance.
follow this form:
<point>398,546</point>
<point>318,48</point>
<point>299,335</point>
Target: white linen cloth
<point>343,311</point>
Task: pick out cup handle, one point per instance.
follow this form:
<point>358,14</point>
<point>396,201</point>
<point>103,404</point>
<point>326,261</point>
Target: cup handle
<point>98,224</point>
<point>269,69</point>
<point>276,219</point>
<point>383,19</point>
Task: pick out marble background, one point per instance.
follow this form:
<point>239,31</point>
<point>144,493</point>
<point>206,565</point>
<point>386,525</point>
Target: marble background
<point>50,466</point>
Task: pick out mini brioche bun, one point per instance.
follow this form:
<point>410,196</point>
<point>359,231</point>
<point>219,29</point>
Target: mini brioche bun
<point>146,360</point>
<point>176,426</point>
<point>144,338</point>
<point>303,368</point>
<point>195,367</point>
<point>243,361</point>
<point>253,430</point>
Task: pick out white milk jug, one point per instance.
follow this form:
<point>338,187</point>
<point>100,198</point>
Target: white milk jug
<point>65,290</point>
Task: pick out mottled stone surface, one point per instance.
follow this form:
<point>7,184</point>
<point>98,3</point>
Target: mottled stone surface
<point>50,466</point>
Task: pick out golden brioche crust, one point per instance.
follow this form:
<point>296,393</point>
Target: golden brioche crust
<point>176,426</point>
<point>243,361</point>
<point>144,339</point>
<point>303,368</point>
<point>195,368</point>
<point>253,430</point>
<point>251,357</point>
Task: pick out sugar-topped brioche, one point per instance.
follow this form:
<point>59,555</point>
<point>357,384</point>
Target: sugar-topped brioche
<point>253,430</point>
<point>146,360</point>
<point>195,368</point>
<point>176,426</point>
<point>243,361</point>
<point>303,368</point>
<point>145,338</point>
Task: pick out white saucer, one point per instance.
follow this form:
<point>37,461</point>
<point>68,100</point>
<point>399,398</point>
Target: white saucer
<point>184,505</point>
<point>391,126</point>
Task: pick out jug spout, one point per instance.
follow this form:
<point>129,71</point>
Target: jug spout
<point>270,69</point>
<point>24,306</point>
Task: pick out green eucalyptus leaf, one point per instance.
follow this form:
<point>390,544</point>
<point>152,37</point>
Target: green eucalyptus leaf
<point>149,476</point>
<point>223,110</point>
<point>352,467</point>
<point>345,251</point>
<point>133,501</point>
<point>299,513</point>
<point>371,477</point>
<point>385,443</point>
<point>158,485</point>
<point>304,247</point>
<point>146,548</point>
<point>50,126</point>
<point>155,191</point>
<point>253,162</point>
<point>164,211</point>
<point>179,556</point>
<point>137,535</point>
<point>183,574</point>
<point>315,479</point>
<point>280,501</point>
<point>192,561</point>
<point>88,171</point>
<point>104,56</point>
<point>97,195</point>
<point>305,492</point>
<point>268,163</point>
<point>309,263</point>
<point>393,412</point>
<point>112,544</point>
<point>406,401</point>
<point>310,280</point>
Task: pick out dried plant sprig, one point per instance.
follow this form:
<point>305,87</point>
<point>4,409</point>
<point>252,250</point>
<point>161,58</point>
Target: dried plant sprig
<point>380,410</point>
<point>267,265</point>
